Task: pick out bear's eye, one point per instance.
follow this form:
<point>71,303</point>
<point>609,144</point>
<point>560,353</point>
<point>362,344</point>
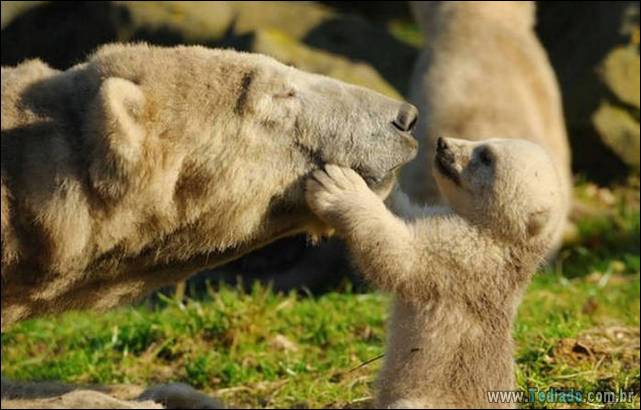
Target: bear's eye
<point>485,156</point>
<point>285,94</point>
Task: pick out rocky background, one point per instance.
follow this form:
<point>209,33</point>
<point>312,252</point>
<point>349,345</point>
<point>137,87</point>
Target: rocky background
<point>593,46</point>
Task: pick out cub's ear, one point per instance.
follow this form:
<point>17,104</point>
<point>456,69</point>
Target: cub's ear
<point>537,221</point>
<point>115,133</point>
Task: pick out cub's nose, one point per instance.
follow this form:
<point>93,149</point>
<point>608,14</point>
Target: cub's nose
<point>441,145</point>
<point>406,118</point>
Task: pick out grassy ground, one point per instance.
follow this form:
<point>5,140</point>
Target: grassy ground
<point>578,328</point>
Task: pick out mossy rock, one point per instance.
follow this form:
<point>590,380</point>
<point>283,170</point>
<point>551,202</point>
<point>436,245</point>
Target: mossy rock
<point>620,131</point>
<point>620,73</point>
<point>594,50</point>
<point>193,21</point>
<point>278,45</point>
<point>39,30</point>
<point>12,9</point>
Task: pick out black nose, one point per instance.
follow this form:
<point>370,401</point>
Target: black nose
<point>441,145</point>
<point>406,118</point>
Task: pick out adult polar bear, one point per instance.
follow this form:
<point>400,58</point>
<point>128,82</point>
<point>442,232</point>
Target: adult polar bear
<point>482,74</point>
<point>146,164</point>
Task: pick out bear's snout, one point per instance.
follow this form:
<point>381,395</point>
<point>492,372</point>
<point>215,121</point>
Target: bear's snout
<point>445,160</point>
<point>406,118</point>
<point>441,145</point>
<point>443,150</point>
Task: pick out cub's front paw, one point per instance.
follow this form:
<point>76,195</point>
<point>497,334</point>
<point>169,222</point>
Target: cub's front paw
<point>333,192</point>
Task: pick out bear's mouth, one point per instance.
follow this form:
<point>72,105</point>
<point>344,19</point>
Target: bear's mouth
<point>444,161</point>
<point>371,179</point>
<point>377,181</point>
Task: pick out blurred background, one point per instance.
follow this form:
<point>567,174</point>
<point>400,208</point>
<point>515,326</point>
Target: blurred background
<point>578,326</point>
<point>593,48</point>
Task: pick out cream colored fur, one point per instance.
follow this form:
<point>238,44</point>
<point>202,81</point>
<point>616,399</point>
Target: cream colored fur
<point>483,73</point>
<point>457,272</point>
<point>146,164</point>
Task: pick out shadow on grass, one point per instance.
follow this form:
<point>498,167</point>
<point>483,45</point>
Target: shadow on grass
<point>607,244</point>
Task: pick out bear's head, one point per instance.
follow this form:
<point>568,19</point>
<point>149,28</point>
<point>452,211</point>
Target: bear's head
<point>508,186</point>
<point>432,15</point>
<point>223,140</point>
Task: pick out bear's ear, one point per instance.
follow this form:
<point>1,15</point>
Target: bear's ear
<point>537,221</point>
<point>115,133</point>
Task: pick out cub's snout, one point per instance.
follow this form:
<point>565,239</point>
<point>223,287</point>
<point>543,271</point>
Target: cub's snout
<point>445,160</point>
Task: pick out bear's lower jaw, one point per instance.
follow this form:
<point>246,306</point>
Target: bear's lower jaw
<point>374,180</point>
<point>383,186</point>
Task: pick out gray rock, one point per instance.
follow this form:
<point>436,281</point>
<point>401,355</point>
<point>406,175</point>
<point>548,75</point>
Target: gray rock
<point>620,74</point>
<point>619,130</point>
<point>594,49</point>
<point>286,49</point>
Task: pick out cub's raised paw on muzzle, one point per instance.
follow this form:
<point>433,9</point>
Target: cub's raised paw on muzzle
<point>334,190</point>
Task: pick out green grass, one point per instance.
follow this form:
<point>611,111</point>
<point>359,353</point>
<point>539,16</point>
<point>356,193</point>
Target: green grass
<point>578,328</point>
<point>406,31</point>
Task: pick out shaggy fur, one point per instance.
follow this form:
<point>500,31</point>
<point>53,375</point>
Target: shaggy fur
<point>457,272</point>
<point>147,164</point>
<point>482,74</point>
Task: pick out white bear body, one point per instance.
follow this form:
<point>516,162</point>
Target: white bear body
<point>457,272</point>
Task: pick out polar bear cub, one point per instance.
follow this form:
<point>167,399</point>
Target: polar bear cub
<point>457,272</point>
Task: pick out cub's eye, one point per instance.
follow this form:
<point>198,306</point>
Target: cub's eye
<point>485,156</point>
<point>285,94</point>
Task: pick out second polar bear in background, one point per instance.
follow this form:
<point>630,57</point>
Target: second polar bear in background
<point>457,273</point>
<point>482,74</point>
